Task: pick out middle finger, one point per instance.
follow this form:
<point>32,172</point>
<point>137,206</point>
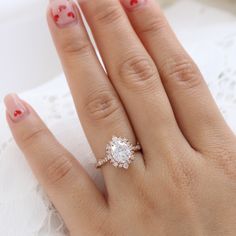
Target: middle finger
<point>101,112</point>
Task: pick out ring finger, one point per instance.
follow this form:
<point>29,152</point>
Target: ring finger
<point>101,112</point>
<point>134,75</point>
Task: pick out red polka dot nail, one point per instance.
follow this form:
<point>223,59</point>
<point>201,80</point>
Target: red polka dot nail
<point>133,3</point>
<point>63,12</point>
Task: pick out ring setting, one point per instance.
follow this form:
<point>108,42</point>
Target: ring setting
<point>119,152</point>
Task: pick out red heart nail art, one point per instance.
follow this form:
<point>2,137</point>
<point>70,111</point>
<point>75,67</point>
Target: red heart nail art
<point>16,108</point>
<point>56,18</point>
<point>18,113</point>
<point>133,2</point>
<point>71,14</point>
<point>63,12</point>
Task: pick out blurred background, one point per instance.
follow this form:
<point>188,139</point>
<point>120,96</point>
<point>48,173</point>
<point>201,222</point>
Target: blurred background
<point>27,55</point>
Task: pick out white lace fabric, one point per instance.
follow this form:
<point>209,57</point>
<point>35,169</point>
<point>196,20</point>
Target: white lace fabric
<point>24,207</point>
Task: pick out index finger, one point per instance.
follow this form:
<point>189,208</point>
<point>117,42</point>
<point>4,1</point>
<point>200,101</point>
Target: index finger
<point>67,184</point>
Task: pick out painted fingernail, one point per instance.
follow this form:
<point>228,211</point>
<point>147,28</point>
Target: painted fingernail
<point>15,107</point>
<point>63,12</point>
<point>133,3</point>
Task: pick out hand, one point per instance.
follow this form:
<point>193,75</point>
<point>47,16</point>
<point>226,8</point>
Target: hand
<point>184,180</point>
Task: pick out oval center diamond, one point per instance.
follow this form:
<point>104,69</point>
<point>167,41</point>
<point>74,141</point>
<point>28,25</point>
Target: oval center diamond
<point>120,151</point>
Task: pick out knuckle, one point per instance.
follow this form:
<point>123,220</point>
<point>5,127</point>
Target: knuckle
<point>138,72</point>
<point>224,157</point>
<point>58,169</point>
<point>184,173</point>
<point>154,26</point>
<point>181,70</point>
<point>72,45</point>
<point>34,136</point>
<point>101,105</point>
<point>105,229</point>
<point>108,14</point>
<point>144,197</point>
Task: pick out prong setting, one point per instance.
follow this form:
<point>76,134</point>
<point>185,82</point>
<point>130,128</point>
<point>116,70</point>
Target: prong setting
<point>119,152</point>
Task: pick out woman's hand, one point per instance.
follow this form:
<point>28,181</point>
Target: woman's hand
<point>184,180</point>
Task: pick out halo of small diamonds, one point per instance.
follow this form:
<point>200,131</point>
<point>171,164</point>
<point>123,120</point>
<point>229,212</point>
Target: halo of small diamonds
<point>120,152</point>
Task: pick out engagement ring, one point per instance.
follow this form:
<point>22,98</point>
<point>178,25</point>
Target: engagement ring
<point>119,152</point>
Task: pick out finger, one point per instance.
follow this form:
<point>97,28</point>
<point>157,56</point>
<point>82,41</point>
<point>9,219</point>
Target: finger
<point>133,74</point>
<point>65,181</point>
<point>100,110</point>
<point>193,105</point>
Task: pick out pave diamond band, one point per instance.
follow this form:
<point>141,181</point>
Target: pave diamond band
<point>119,152</point>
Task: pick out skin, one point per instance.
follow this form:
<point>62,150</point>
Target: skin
<point>184,181</point>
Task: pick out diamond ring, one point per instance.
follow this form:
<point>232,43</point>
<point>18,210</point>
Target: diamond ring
<point>119,152</point>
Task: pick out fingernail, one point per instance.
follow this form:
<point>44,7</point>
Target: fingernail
<point>130,4</point>
<point>63,12</point>
<point>15,107</point>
